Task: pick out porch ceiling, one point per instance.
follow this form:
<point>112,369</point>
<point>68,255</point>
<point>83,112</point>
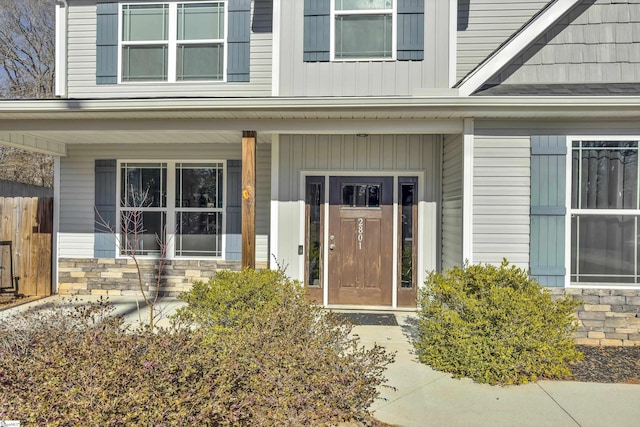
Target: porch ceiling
<point>49,125</point>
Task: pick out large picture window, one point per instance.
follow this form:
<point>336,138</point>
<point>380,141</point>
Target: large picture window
<point>173,41</point>
<point>363,29</point>
<point>179,203</point>
<point>604,212</point>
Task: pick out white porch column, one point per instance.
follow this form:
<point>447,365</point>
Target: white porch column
<point>467,191</point>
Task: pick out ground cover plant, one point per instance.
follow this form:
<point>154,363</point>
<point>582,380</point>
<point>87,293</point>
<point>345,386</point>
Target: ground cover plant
<point>289,363</point>
<point>496,325</point>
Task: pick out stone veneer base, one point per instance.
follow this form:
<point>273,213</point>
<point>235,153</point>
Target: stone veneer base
<point>608,317</point>
<point>108,276</point>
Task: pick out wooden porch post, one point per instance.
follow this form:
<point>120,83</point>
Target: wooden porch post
<point>248,199</point>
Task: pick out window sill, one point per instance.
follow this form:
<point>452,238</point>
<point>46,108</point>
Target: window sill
<point>363,60</point>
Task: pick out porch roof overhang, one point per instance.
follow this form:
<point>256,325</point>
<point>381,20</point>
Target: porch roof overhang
<point>47,126</point>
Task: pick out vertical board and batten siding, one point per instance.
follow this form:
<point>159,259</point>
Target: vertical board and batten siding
<point>548,209</point>
<point>234,211</point>
<point>82,63</point>
<point>339,154</point>
<point>358,78</point>
<point>501,199</point>
<point>483,25</point>
<point>452,176</point>
<point>597,43</point>
<point>77,187</point>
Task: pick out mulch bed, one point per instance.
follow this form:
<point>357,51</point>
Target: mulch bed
<point>608,365</point>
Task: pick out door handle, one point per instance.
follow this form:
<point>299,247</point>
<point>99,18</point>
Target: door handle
<point>332,247</point>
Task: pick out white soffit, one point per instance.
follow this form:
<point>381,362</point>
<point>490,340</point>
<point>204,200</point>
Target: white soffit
<point>507,52</point>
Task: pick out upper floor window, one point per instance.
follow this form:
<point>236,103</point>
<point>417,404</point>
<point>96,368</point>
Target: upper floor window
<point>173,41</point>
<point>363,29</point>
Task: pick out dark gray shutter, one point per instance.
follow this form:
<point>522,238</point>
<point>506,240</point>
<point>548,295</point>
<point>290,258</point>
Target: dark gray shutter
<point>548,209</point>
<point>238,41</point>
<point>316,30</point>
<point>107,43</point>
<point>105,209</point>
<point>410,30</point>
<point>262,16</point>
<point>234,211</point>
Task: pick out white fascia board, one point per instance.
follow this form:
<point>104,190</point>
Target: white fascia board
<point>412,108</point>
<point>320,105</point>
<point>515,46</point>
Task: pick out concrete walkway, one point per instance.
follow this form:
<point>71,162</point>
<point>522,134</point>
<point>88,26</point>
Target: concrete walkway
<point>424,397</point>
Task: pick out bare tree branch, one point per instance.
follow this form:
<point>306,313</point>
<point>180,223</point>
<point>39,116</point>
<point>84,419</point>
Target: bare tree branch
<point>27,58</point>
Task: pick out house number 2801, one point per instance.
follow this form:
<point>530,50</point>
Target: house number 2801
<point>360,232</point>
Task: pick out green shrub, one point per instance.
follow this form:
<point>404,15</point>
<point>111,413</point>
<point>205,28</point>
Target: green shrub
<point>290,363</point>
<point>283,359</point>
<point>230,299</point>
<point>495,325</point>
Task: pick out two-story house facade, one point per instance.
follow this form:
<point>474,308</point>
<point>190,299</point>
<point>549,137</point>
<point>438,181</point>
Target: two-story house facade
<point>359,144</point>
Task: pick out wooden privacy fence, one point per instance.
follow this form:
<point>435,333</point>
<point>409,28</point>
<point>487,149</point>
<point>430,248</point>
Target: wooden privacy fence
<point>26,229</point>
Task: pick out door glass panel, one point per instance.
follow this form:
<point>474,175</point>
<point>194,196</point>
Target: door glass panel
<point>361,195</point>
<point>314,232</point>
<point>406,240</point>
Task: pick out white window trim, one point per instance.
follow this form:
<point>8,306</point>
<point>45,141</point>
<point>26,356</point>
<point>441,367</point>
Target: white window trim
<point>171,209</point>
<point>172,43</point>
<point>394,31</point>
<point>570,211</point>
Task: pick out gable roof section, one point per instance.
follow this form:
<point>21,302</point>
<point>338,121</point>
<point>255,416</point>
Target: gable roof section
<point>516,45</point>
<point>597,43</point>
<point>483,25</point>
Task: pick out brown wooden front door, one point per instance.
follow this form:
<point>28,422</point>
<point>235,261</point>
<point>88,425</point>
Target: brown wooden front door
<point>360,240</point>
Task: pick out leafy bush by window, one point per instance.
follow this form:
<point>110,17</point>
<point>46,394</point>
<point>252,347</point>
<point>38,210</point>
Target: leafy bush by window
<point>495,325</point>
